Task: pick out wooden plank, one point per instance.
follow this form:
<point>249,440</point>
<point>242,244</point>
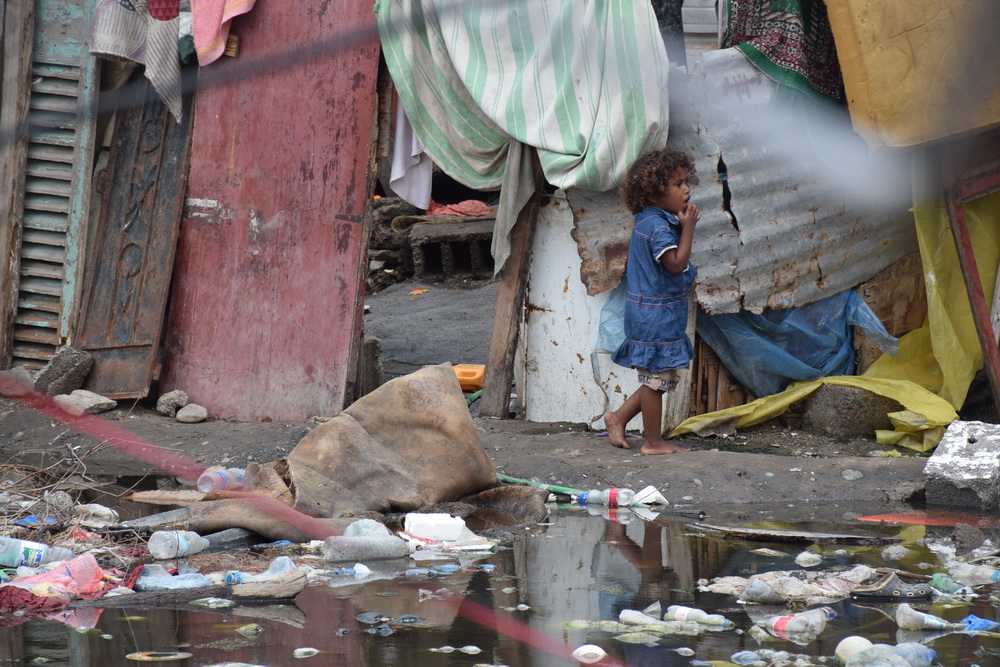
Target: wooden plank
<point>499,374</point>
<point>973,284</point>
<point>15,89</point>
<point>122,317</point>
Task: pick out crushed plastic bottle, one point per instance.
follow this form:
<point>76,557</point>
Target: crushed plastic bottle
<point>280,566</point>
<point>802,627</point>
<point>164,544</point>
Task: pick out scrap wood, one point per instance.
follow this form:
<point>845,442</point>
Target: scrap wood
<point>775,535</point>
<point>284,587</point>
<point>162,497</point>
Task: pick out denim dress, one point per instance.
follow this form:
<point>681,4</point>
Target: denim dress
<point>657,300</point>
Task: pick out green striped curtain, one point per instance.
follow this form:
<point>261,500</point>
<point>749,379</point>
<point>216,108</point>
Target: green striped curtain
<point>584,82</point>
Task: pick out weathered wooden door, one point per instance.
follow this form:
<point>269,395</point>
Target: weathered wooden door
<point>48,173</point>
<point>266,297</point>
<point>121,320</point>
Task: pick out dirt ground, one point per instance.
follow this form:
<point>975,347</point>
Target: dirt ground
<point>775,462</point>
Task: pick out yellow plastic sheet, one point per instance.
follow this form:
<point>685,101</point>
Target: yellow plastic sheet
<point>931,374</point>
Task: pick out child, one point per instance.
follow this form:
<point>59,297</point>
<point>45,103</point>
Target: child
<point>658,278</point>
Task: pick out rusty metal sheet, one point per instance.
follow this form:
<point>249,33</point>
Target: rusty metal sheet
<point>810,222</point>
<point>266,299</point>
<point>122,318</point>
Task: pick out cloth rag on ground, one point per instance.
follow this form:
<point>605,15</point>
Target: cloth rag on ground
<point>408,444</point>
<point>583,83</point>
<point>124,30</point>
<point>210,24</point>
<point>789,40</point>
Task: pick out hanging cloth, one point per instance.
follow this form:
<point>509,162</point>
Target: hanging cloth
<point>125,30</point>
<point>790,41</point>
<point>584,83</point>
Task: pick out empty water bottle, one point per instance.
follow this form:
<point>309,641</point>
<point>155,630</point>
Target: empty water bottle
<point>609,497</point>
<point>974,575</point>
<point>15,552</point>
<point>165,544</point>
<point>218,478</point>
<point>676,612</point>
<point>809,623</point>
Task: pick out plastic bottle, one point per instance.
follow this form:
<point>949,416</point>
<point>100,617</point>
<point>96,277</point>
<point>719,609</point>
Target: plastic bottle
<point>280,566</point>
<point>908,618</point>
<point>217,478</point>
<point>15,552</point>
<point>609,497</point>
<point>916,654</point>
<point>173,543</point>
<point>153,577</point>
<point>676,612</point>
<point>974,575</point>
<point>811,622</point>
<point>340,548</point>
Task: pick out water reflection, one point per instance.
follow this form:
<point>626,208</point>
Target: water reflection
<point>577,567</point>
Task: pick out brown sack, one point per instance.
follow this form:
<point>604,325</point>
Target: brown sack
<point>408,444</point>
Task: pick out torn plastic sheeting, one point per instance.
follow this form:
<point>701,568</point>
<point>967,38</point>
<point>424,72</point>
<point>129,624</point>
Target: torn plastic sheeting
<point>767,352</point>
<point>935,411</point>
<point>945,354</point>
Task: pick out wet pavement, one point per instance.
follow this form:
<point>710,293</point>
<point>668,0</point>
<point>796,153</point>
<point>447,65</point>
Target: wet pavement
<point>512,607</point>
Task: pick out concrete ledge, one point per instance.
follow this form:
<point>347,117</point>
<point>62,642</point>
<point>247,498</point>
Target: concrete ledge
<point>452,250</point>
<point>964,470</point>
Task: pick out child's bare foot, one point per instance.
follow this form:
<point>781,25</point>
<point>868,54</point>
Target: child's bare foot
<point>662,447</point>
<point>616,431</point>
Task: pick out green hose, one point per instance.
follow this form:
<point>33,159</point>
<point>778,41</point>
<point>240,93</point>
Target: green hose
<point>548,487</point>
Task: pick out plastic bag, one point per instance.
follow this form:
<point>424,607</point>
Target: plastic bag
<point>768,352</point>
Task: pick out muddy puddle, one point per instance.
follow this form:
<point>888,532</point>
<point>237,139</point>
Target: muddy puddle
<point>512,607</point>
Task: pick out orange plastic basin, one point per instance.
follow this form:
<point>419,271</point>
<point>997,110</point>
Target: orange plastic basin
<point>470,376</point>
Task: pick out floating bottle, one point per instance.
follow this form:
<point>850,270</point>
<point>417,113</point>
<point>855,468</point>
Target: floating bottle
<point>807,623</point>
<point>676,612</point>
<point>974,575</point>
<point>609,497</point>
<point>165,544</point>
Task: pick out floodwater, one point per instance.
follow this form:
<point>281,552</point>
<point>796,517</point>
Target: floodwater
<point>511,607</point>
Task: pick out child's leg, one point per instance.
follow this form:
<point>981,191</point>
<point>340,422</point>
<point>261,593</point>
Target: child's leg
<point>615,421</point>
<point>652,425</point>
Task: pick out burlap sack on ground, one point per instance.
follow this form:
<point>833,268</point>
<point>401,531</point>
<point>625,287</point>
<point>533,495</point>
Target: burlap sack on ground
<point>408,444</point>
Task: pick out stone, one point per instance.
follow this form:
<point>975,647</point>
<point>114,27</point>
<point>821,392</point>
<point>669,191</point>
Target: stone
<point>66,370</point>
<point>192,413</point>
<point>169,403</point>
<point>83,402</point>
<point>894,553</point>
<point>16,381</point>
<point>844,412</point>
<point>964,470</point>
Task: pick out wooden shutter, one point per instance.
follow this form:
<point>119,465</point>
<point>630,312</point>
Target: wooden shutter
<point>57,180</point>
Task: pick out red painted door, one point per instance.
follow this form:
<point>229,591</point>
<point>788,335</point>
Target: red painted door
<point>266,296</point>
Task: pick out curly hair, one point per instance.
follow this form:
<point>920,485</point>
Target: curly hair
<point>648,176</point>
